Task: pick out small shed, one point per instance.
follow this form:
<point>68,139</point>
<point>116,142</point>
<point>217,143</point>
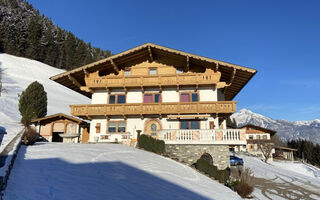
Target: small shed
<point>284,153</point>
<point>62,128</point>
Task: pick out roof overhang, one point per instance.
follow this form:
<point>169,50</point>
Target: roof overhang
<point>58,116</point>
<point>237,76</point>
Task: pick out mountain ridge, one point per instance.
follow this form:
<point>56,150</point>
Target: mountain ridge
<point>286,130</point>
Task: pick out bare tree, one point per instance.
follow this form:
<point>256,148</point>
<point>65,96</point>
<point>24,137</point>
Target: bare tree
<point>1,88</point>
<point>266,147</point>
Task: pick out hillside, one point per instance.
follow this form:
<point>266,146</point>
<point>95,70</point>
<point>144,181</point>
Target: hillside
<point>286,130</point>
<point>18,73</point>
<point>105,171</point>
<point>25,32</point>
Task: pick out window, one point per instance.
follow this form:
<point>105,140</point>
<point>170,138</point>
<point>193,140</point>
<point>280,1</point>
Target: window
<point>117,99</point>
<point>127,72</point>
<point>189,124</point>
<point>258,137</point>
<point>264,137</point>
<point>98,127</point>
<point>189,97</point>
<point>250,137</point>
<point>179,71</point>
<point>117,127</point>
<point>151,98</point>
<point>152,71</point>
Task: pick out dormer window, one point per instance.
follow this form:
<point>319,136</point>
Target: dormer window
<point>152,71</point>
<point>179,71</point>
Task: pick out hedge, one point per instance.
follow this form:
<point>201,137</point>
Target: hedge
<point>149,143</point>
<point>204,166</point>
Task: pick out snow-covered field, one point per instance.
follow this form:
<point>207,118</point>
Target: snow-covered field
<point>105,171</point>
<point>284,179</point>
<point>18,73</point>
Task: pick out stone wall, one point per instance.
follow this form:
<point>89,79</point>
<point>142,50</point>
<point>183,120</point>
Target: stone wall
<point>190,153</point>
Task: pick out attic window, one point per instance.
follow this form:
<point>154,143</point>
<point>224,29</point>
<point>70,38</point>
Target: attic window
<point>127,72</point>
<point>179,71</point>
<point>153,71</point>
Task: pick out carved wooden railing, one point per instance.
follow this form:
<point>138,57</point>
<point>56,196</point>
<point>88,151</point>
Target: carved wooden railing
<point>153,108</point>
<point>156,80</point>
<point>203,136</point>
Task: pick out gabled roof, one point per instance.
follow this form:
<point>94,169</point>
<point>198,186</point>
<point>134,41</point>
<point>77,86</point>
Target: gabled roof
<point>58,115</point>
<point>239,74</point>
<point>272,132</point>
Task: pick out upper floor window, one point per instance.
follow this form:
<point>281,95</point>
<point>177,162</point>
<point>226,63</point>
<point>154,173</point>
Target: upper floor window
<point>189,124</point>
<point>127,72</point>
<point>250,137</point>
<point>258,137</point>
<point>151,98</point>
<point>152,71</point>
<point>117,127</point>
<point>117,99</point>
<point>264,137</point>
<point>189,97</point>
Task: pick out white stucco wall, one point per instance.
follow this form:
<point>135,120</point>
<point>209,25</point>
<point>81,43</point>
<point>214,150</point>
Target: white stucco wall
<point>208,94</point>
<point>99,97</point>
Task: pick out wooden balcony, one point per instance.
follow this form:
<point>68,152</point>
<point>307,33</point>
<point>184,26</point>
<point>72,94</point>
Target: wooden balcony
<point>203,136</point>
<point>121,81</point>
<point>228,107</point>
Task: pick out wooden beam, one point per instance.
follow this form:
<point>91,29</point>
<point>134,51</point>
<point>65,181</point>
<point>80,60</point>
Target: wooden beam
<point>188,63</point>
<point>86,73</point>
<point>115,67</point>
<point>150,54</point>
<point>217,67</point>
<point>233,74</point>
<point>74,81</point>
<point>86,89</point>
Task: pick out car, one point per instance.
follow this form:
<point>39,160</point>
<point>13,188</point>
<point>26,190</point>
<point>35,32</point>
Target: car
<point>234,161</point>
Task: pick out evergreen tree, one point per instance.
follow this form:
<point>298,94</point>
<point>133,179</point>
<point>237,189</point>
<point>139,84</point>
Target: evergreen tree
<point>34,38</point>
<point>33,103</point>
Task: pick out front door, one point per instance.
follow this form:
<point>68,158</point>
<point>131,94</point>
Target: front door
<point>152,127</point>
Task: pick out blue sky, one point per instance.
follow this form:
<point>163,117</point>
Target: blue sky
<point>281,39</point>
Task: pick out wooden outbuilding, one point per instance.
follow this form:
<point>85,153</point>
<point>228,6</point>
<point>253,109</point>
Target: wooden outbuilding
<point>285,153</point>
<point>62,128</point>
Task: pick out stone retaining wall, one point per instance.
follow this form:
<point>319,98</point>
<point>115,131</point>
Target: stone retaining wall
<point>190,153</point>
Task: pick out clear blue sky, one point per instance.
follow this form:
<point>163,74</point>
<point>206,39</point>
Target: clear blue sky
<point>281,39</point>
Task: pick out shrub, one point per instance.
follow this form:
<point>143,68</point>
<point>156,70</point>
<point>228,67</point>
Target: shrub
<point>223,176</point>
<point>149,143</point>
<point>32,103</point>
<point>207,157</point>
<point>203,165</point>
<point>244,189</point>
<point>29,136</point>
<point>213,171</point>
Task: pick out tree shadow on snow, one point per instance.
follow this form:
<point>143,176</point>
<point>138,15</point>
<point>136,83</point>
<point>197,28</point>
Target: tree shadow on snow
<point>58,179</point>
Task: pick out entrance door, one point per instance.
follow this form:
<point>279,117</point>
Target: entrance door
<point>85,135</point>
<point>152,127</point>
<point>56,137</point>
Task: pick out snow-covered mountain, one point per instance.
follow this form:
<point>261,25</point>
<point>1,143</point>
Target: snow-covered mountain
<point>286,130</point>
<point>17,74</point>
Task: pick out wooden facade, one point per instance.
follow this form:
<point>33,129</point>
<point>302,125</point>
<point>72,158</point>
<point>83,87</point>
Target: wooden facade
<point>60,128</point>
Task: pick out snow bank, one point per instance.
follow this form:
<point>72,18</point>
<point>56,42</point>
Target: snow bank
<point>105,171</point>
<point>18,73</point>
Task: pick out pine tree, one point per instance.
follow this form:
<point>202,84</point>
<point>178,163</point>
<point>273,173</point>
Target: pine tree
<point>34,38</point>
<point>32,103</point>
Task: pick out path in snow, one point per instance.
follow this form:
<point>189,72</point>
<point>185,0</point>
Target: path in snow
<point>105,171</point>
<point>283,180</point>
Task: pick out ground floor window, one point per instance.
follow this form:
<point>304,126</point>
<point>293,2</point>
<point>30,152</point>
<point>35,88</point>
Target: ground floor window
<point>117,127</point>
<point>189,124</point>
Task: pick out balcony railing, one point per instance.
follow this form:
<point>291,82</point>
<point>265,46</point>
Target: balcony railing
<point>153,108</point>
<point>203,136</point>
<point>156,80</point>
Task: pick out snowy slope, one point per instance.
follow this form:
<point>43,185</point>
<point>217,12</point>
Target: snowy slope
<point>18,73</point>
<point>286,130</point>
<point>284,179</point>
<point>105,171</point>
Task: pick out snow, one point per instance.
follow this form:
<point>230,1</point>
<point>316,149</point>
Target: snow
<point>294,177</point>
<point>105,171</point>
<point>18,73</point>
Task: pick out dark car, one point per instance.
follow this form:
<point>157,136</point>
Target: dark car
<point>234,160</point>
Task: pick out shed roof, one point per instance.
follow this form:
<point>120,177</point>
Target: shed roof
<point>239,74</point>
<point>58,116</point>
